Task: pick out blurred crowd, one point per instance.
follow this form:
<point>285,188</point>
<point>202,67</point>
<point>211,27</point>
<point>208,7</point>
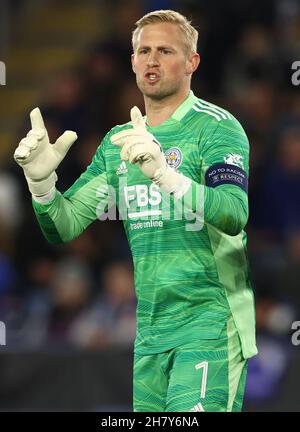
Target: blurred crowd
<point>81,295</point>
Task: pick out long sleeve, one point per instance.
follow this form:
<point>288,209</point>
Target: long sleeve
<point>224,207</point>
<point>70,213</point>
<point>220,198</point>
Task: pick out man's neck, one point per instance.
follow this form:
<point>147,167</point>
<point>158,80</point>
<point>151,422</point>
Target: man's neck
<point>158,111</point>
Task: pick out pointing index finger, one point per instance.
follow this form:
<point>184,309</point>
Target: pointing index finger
<point>36,119</point>
<point>137,118</point>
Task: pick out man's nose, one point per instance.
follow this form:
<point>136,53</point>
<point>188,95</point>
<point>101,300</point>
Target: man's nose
<point>152,60</point>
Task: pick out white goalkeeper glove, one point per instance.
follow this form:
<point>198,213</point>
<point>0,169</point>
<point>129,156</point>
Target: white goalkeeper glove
<point>39,159</point>
<point>140,147</point>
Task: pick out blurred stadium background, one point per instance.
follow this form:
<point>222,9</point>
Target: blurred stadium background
<point>69,310</point>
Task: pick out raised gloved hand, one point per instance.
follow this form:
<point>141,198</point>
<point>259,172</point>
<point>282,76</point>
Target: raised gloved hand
<point>140,147</point>
<point>38,158</point>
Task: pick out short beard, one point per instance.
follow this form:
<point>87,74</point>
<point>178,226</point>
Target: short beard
<point>162,94</point>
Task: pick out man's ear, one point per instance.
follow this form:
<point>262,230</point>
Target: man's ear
<point>132,62</point>
<point>192,63</point>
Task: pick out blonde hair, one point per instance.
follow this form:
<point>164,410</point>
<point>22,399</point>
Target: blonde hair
<point>190,34</point>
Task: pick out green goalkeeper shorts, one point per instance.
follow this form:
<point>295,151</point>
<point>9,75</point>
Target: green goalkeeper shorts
<point>203,375</point>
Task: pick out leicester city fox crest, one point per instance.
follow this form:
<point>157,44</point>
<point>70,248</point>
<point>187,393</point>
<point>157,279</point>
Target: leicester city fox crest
<point>173,157</point>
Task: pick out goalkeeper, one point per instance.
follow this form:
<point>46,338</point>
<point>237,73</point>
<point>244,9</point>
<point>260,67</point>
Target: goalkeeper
<point>195,311</point>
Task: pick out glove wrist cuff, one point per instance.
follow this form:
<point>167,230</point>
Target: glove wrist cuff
<point>172,181</point>
<point>39,188</point>
<point>45,199</point>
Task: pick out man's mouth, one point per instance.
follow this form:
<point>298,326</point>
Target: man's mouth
<point>152,77</point>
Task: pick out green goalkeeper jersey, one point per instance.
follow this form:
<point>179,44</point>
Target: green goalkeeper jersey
<point>189,255</point>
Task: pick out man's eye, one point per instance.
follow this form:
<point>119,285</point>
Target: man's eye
<point>166,51</point>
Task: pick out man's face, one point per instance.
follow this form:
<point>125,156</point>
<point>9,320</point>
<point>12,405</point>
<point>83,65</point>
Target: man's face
<point>160,61</point>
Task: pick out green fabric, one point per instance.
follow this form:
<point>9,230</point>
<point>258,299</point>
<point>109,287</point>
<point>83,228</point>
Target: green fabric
<point>203,375</point>
<point>180,280</point>
<point>236,368</point>
<point>239,398</point>
<point>232,264</point>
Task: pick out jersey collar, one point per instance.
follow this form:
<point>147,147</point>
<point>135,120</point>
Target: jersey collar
<point>184,107</point>
<point>179,113</point>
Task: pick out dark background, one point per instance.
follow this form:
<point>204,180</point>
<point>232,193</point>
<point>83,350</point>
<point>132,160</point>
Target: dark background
<point>69,310</point>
